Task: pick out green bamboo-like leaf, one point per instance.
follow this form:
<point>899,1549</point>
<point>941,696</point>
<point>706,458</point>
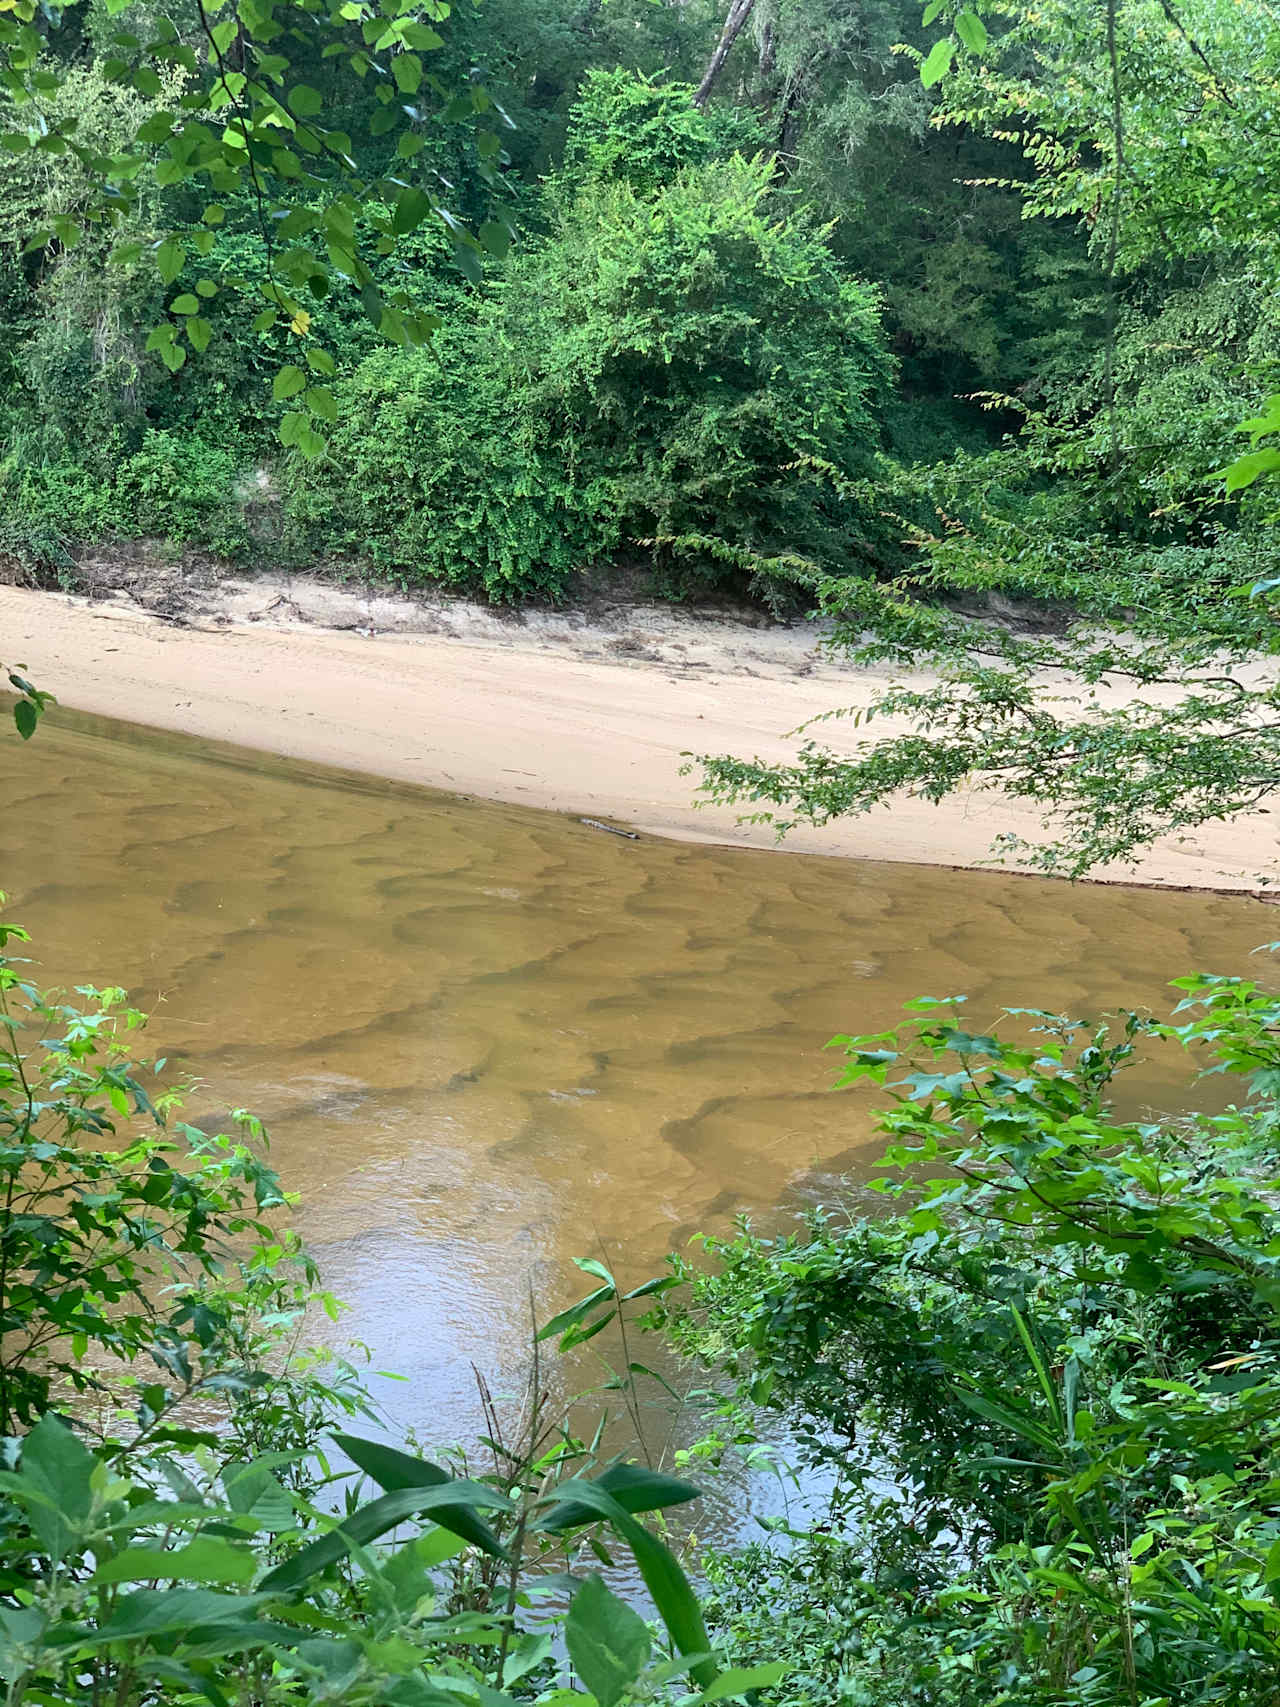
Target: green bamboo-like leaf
<point>444,1504</point>
<point>667,1584</point>
<point>392,1470</point>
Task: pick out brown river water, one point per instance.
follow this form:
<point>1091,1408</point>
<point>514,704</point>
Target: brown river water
<point>487,1040</point>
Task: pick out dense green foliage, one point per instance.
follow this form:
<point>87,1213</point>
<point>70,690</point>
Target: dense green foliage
<point>174,1522</point>
<point>653,370</point>
<point>1043,1379</point>
<point>683,362</point>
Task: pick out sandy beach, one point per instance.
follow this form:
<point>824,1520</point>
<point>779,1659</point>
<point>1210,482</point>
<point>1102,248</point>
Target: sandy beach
<point>583,715</point>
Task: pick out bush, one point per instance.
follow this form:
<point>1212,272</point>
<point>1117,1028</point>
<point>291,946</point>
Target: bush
<point>641,131</point>
<point>1046,1381</point>
<point>438,472</point>
<point>179,488</point>
<point>682,370</point>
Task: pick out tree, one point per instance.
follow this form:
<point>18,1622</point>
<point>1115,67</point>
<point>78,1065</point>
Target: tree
<point>1105,511</point>
<point>239,125</point>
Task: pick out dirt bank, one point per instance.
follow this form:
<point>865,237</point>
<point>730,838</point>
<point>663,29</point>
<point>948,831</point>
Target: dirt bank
<point>588,715</point>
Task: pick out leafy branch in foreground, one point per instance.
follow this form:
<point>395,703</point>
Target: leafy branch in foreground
<point>175,1521</point>
<point>1043,1376</point>
<point>1093,525</point>
<point>237,115</point>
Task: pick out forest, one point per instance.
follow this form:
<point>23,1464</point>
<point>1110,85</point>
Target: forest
<point>956,326</point>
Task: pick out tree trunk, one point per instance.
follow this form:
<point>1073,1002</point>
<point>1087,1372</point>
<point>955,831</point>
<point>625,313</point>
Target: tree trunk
<point>739,12</point>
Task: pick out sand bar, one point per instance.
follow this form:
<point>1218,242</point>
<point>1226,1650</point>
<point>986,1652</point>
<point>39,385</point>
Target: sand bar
<point>588,716</point>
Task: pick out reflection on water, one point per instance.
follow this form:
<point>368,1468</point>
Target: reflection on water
<point>487,1039</point>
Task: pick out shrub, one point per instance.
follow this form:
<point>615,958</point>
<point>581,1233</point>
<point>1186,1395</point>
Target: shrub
<point>680,369</point>
<point>437,471</point>
<point>1046,1381</point>
<point>643,132</point>
<point>179,488</point>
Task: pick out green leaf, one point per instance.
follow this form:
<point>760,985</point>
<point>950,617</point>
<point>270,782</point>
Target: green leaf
<point>26,717</point>
<point>305,101</point>
<point>193,1613</point>
<point>185,304</point>
<point>667,1584</point>
<point>448,1505</point>
<point>1250,467</point>
<point>607,1642</point>
<point>589,1265</point>
<point>288,382</point>
<point>938,62</point>
<point>932,11</point>
<point>199,333</point>
<point>972,32</point>
<point>170,258</point>
<point>392,1470</point>
<point>292,426</point>
<point>406,68</point>
<point>321,402</point>
<point>495,238</point>
<point>206,1559</point>
<point>741,1681</point>
<point>631,1485</point>
<point>410,209</point>
<point>576,1313</point>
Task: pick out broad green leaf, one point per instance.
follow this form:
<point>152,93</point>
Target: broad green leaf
<point>206,1559</point>
<point>406,68</point>
<point>1253,465</point>
<point>938,62</point>
<point>288,382</point>
<point>392,1470</point>
<point>446,1505</point>
<point>495,238</point>
<point>631,1485</point>
<point>607,1642</point>
<point>410,209</point>
<point>972,32</point>
<point>667,1584</point>
<point>742,1681</point>
<point>170,258</point>
<point>321,402</point>
<point>58,1468</point>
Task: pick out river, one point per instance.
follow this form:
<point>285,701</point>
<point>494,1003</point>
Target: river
<point>487,1040</point>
